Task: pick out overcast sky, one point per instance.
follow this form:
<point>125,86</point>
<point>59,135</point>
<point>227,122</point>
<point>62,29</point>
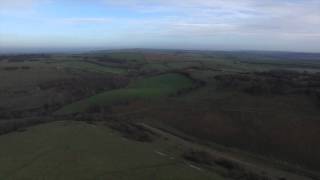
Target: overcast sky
<point>285,25</point>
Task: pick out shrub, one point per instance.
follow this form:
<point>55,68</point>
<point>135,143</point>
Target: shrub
<point>199,157</point>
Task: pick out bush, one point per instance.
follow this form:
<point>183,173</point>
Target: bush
<point>199,157</point>
<point>132,131</point>
<point>11,68</point>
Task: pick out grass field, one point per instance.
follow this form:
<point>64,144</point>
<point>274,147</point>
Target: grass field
<point>147,88</point>
<point>79,151</point>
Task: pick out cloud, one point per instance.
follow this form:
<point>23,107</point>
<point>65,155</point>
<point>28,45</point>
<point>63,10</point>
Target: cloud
<point>203,17</point>
<point>272,21</point>
<point>79,21</point>
<point>20,8</point>
<point>14,4</point>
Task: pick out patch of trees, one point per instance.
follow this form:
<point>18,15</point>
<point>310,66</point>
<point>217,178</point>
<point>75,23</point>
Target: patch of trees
<point>11,68</point>
<point>199,157</point>
<point>43,110</point>
<point>107,64</point>
<point>117,62</point>
<point>24,57</point>
<point>111,60</point>
<point>25,67</point>
<point>127,129</point>
<point>84,86</point>
<point>7,126</point>
<point>277,82</point>
<point>133,131</point>
<point>318,98</point>
<point>14,68</point>
<point>68,90</point>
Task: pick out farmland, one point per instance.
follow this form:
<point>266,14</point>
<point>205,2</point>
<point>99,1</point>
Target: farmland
<point>160,114</point>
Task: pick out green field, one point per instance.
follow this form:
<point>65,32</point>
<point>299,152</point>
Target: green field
<point>147,88</point>
<point>75,151</point>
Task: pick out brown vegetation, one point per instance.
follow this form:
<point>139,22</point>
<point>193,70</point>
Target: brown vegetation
<point>225,167</point>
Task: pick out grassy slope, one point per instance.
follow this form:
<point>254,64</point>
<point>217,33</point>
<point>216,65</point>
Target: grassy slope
<point>75,150</point>
<point>148,88</point>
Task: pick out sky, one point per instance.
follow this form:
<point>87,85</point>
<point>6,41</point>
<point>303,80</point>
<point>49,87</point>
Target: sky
<point>280,25</point>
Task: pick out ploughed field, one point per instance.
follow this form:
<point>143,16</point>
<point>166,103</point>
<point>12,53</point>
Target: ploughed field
<point>157,114</point>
